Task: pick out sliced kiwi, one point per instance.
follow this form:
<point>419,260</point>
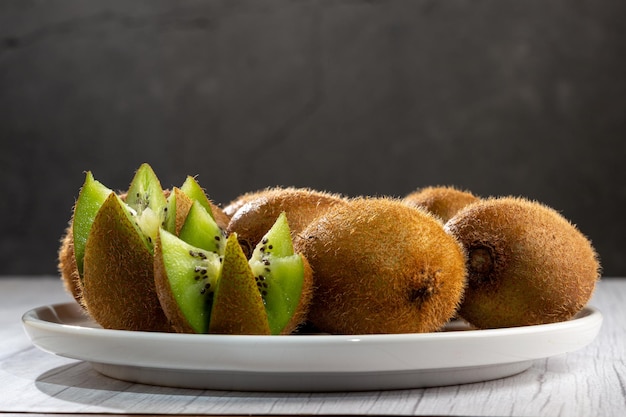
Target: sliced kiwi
<point>237,304</point>
<point>118,284</point>
<point>176,209</point>
<point>283,278</point>
<point>91,197</point>
<point>192,188</point>
<point>200,229</point>
<point>185,277</point>
<point>146,200</point>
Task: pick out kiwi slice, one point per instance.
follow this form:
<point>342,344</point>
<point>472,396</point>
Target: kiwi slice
<point>118,284</point>
<point>527,263</point>
<point>176,209</point>
<point>192,188</point>
<point>204,285</point>
<point>91,197</point>
<point>185,278</point>
<point>381,266</point>
<point>146,201</point>
<point>283,278</point>
<point>237,304</point>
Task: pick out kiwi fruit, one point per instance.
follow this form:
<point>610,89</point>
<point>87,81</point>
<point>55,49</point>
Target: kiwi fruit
<point>231,208</point>
<point>67,265</point>
<point>118,288</point>
<point>204,286</point>
<point>176,209</point>
<point>238,307</point>
<point>301,205</point>
<point>527,264</point>
<point>90,198</point>
<point>185,277</point>
<point>196,193</point>
<point>284,278</point>
<point>381,266</point>
<point>442,201</point>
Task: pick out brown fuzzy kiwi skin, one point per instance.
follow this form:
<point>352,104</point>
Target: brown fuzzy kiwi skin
<point>221,219</point>
<point>67,265</point>
<point>301,205</point>
<point>527,264</point>
<point>443,201</point>
<point>380,266</point>
<point>118,281</point>
<point>231,208</point>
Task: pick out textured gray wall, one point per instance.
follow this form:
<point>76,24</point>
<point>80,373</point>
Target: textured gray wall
<point>353,96</point>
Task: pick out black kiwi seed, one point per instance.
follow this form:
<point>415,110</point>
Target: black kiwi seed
<point>264,241</point>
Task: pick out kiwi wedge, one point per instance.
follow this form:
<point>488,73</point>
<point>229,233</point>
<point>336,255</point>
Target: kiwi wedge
<point>91,197</point>
<point>443,201</point>
<point>237,304</point>
<point>192,188</point>
<point>205,286</point>
<point>118,288</point>
<point>283,277</point>
<point>146,200</point>
<point>527,264</point>
<point>185,278</point>
<point>176,209</point>
<point>381,266</point>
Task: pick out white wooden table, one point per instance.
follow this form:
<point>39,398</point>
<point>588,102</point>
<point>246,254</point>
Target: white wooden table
<point>588,382</point>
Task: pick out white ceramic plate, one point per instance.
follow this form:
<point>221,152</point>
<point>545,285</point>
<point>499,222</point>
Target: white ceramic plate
<point>305,362</point>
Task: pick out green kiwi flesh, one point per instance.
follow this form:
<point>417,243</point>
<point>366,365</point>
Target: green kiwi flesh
<point>185,277</point>
<point>91,197</point>
<point>176,209</point>
<point>146,200</point>
<point>280,276</point>
<point>200,229</point>
<point>192,188</point>
<point>237,304</point>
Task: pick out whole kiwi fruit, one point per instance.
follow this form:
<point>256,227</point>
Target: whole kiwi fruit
<point>527,264</point>
<point>380,266</point>
<point>444,201</point>
<point>261,209</point>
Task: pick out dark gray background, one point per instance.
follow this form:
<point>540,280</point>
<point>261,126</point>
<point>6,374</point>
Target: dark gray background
<point>357,97</point>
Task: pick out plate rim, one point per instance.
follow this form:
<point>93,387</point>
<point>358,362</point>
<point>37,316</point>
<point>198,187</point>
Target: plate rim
<point>394,346</point>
